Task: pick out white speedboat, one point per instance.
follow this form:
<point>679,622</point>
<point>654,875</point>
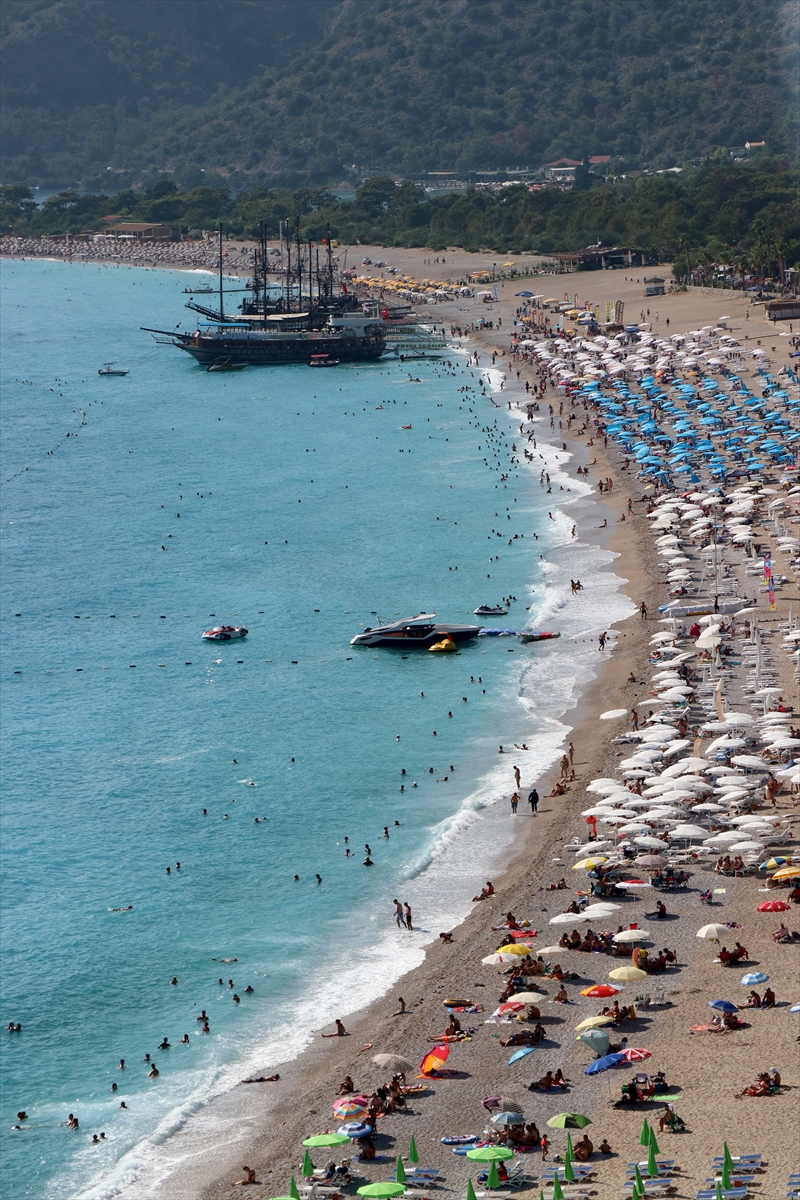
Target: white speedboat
<point>224,633</point>
<point>110,369</point>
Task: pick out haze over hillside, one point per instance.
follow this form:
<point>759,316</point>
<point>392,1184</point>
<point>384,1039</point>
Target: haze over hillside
<point>115,93</point>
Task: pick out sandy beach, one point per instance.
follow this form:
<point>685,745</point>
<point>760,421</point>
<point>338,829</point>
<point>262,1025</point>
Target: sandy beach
<point>263,1125</point>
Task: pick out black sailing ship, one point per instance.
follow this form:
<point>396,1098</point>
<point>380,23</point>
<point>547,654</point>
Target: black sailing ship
<point>293,327</point>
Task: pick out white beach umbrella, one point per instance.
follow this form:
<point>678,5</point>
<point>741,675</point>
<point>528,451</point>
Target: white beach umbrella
<point>631,935</point>
<point>749,762</point>
<point>743,847</point>
<point>651,843</point>
<point>708,807</point>
<point>613,714</point>
<point>688,832</point>
<point>712,933</point>
<point>567,919</point>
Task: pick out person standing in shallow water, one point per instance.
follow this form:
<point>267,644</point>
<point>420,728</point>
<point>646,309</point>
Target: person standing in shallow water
<point>408,917</point>
<point>514,803</point>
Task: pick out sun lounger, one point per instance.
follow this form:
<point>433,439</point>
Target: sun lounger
<point>582,1171</point>
<point>728,1193</point>
<point>652,1187</point>
<point>669,1164</point>
<point>742,1159</point>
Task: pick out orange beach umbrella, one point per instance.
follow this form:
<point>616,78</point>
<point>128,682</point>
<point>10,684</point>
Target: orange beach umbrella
<point>435,1059</point>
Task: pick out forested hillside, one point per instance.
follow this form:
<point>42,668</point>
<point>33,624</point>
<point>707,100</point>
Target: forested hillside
<point>278,92</point>
<point>748,212</point>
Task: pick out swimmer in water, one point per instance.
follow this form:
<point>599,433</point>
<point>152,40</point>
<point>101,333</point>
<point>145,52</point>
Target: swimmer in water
<point>368,862</point>
<point>122,1104</point>
<point>318,878</point>
<point>184,1040</point>
<point>164,1045</point>
<point>154,1072</point>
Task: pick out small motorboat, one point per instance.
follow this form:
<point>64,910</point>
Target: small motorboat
<point>224,633</point>
<point>490,610</point>
<point>225,364</point>
<point>445,646</point>
<point>110,369</point>
<point>323,360</point>
<point>543,636</point>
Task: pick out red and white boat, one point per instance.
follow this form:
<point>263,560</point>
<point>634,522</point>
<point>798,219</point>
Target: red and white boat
<point>225,633</point>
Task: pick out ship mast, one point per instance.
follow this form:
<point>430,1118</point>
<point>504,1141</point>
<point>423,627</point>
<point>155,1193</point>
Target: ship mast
<point>221,309</point>
<point>299,266</point>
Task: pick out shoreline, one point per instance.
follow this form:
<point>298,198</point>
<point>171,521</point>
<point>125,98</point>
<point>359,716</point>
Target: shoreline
<point>308,1078</point>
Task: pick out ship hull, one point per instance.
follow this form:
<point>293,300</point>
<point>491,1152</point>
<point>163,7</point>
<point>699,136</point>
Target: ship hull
<point>267,350</point>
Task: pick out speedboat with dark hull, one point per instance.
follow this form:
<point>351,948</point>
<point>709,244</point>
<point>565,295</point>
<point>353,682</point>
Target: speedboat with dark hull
<point>414,633</point>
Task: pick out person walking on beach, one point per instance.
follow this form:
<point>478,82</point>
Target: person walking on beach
<point>571,752</point>
<point>643,611</point>
<point>533,800</point>
<point>517,777</point>
<point>602,640</point>
<point>398,914</point>
<point>514,803</point>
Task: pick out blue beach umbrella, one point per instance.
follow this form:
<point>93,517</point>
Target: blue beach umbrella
<point>604,1063</point>
<point>723,1006</point>
<point>523,1053</point>
<point>754,977</point>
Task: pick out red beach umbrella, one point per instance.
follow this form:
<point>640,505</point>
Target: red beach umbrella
<point>435,1059</point>
<point>601,991</point>
<point>773,906</point>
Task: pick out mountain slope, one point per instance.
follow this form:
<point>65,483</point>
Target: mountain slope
<point>257,91</point>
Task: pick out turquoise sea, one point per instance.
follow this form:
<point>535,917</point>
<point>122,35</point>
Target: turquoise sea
<point>291,501</point>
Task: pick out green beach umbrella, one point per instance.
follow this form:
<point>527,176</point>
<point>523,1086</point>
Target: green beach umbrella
<point>653,1141</point>
<point>308,1167</point>
<point>644,1136</point>
<point>382,1190</point>
<point>558,1191</point>
<point>293,1192</point>
<point>727,1157</point>
<point>490,1153</point>
<point>726,1176</point>
<point>570,1154</point>
<point>493,1179</point>
<point>569,1174</point>
<point>326,1139</point>
<point>637,1174</point>
<point>569,1120</point>
<point>718,1190</point>
<point>400,1174</point>
<point>652,1165</point>
<point>413,1155</point>
<point>470,1190</point>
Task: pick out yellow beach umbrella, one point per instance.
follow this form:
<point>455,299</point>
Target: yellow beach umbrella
<point>586,864</point>
<point>514,948</point>
<point>629,974</point>
<point>787,873</point>
<point>593,1023</point>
